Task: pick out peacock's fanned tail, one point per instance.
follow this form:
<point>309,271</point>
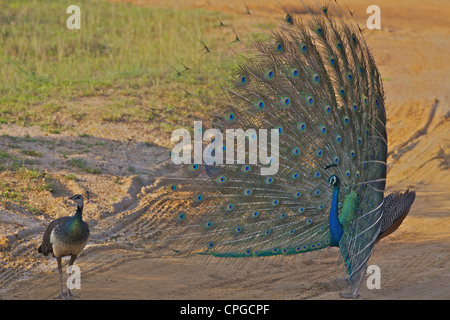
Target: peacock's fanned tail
<point>317,84</point>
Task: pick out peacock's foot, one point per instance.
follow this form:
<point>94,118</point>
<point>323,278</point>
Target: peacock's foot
<point>62,296</point>
<point>349,295</point>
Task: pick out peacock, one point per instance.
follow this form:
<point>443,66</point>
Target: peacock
<point>66,236</point>
<point>315,87</point>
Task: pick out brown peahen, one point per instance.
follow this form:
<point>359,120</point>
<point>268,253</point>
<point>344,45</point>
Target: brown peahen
<point>66,236</point>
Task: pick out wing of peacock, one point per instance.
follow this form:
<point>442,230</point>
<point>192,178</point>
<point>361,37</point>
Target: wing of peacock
<point>315,84</point>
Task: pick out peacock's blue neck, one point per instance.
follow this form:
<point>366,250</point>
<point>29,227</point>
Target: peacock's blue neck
<point>335,227</point>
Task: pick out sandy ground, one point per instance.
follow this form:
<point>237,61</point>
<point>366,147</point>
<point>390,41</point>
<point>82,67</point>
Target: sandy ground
<point>415,261</point>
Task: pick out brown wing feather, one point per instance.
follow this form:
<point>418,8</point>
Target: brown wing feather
<point>46,247</point>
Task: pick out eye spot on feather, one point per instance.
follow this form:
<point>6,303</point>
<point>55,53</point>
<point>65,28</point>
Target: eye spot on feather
<point>221,179</point>
<point>319,30</point>
<point>209,224</point>
<point>268,180</point>
<point>315,78</point>
<point>285,101</point>
<point>231,116</point>
<point>349,76</point>
<point>198,197</point>
<point>301,126</point>
<point>332,60</point>
<point>269,74</point>
<point>288,19</point>
<point>279,46</point>
<point>346,119</point>
<point>243,79</point>
<point>303,47</point>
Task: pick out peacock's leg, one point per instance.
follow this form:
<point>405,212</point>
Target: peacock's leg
<point>355,285</point>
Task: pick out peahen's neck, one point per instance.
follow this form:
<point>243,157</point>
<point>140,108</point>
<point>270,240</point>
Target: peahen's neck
<point>79,214</point>
<point>335,227</point>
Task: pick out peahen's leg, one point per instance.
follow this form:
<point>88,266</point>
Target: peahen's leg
<point>61,293</point>
<point>68,292</point>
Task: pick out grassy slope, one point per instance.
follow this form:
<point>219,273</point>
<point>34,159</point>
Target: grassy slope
<point>116,69</point>
<point>122,54</point>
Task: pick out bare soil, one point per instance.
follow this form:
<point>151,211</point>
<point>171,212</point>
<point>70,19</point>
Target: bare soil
<point>410,52</point>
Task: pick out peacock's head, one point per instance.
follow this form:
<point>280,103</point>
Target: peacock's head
<point>333,181</point>
<point>78,199</point>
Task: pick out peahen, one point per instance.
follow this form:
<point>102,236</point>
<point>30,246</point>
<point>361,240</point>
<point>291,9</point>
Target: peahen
<point>66,236</point>
<point>316,84</point>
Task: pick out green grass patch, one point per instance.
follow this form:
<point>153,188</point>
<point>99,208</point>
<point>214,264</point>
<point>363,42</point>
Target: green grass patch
<point>83,166</point>
<point>123,53</point>
<point>71,176</point>
<point>31,153</point>
<point>4,155</point>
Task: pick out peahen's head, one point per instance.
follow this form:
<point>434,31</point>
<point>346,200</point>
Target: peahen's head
<point>78,199</point>
<point>334,181</point>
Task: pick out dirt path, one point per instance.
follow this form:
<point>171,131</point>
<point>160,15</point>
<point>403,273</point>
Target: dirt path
<point>414,261</point>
